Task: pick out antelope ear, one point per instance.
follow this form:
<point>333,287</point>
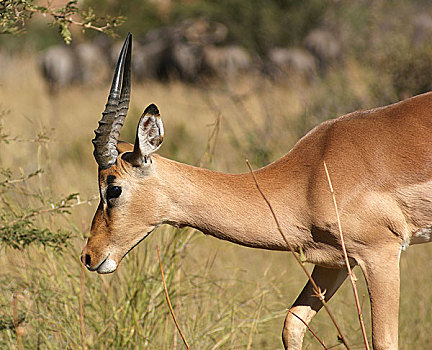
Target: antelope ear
<point>149,136</point>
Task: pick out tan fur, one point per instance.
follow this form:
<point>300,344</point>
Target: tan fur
<point>380,163</point>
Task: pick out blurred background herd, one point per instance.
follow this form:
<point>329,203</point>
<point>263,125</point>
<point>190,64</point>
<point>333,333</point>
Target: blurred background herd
<point>196,40</point>
<point>233,79</point>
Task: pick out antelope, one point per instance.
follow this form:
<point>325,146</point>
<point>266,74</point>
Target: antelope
<point>380,163</point>
<point>62,66</point>
<point>58,66</point>
<point>226,62</point>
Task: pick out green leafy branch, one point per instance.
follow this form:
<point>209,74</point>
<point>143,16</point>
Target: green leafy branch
<point>18,229</point>
<point>8,179</point>
<point>41,137</point>
<point>22,204</point>
<point>14,15</point>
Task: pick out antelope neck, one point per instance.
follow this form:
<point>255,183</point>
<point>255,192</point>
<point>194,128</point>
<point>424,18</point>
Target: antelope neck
<point>229,206</point>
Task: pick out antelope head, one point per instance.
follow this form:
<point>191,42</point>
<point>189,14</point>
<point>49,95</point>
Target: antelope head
<point>123,168</point>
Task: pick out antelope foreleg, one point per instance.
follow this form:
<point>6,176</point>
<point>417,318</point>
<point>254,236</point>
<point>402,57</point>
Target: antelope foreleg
<point>307,304</point>
<point>381,270</point>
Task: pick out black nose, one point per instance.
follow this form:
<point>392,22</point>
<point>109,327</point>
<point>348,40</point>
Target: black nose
<point>86,260</point>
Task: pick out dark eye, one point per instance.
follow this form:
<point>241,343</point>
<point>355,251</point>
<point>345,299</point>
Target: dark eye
<point>113,192</point>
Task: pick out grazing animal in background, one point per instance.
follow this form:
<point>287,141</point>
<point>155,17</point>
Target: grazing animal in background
<point>187,60</point>
<point>228,61</point>
<point>92,68</point>
<point>59,67</point>
<point>62,66</point>
<point>288,61</point>
<point>325,47</point>
<point>150,60</point>
<point>380,163</point>
<point>186,52</point>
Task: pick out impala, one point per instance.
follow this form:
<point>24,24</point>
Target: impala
<point>380,162</point>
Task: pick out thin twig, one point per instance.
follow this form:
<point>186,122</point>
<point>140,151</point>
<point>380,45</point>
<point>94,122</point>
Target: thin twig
<point>169,303</point>
<point>53,13</point>
<point>54,208</point>
<point>310,329</point>
<point>317,290</point>
<point>90,26</point>
<point>353,279</point>
<point>40,138</point>
<point>22,179</point>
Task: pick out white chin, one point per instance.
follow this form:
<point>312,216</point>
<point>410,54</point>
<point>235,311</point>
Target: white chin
<point>108,266</point>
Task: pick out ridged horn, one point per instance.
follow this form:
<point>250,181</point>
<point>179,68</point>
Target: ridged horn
<point>116,108</point>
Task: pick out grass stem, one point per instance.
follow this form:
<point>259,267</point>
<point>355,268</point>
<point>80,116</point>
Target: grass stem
<point>16,321</point>
<point>353,279</point>
<point>310,329</point>
<point>169,303</point>
<point>81,307</point>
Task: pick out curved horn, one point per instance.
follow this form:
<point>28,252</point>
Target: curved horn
<point>105,141</point>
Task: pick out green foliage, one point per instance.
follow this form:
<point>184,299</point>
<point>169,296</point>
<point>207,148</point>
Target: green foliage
<point>410,69</point>
<point>22,205</point>
<point>142,15</point>
<point>19,230</point>
<point>398,51</point>
<point>15,15</point>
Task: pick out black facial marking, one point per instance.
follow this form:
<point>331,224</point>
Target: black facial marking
<point>112,191</point>
<point>110,179</point>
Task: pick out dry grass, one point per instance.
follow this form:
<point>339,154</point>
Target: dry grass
<point>225,296</point>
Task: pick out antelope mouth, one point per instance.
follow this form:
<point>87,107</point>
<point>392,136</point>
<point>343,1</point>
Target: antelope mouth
<point>106,266</point>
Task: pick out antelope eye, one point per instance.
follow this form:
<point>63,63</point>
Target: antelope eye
<point>113,192</point>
